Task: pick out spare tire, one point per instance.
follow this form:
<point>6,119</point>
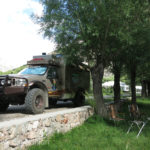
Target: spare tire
<point>35,101</point>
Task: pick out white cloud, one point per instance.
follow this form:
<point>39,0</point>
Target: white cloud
<point>19,38</point>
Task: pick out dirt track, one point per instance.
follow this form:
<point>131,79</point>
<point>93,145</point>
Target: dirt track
<point>14,112</point>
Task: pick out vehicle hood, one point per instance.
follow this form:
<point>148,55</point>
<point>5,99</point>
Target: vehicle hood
<point>30,78</point>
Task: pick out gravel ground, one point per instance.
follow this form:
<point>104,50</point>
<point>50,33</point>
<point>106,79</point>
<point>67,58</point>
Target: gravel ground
<point>19,111</point>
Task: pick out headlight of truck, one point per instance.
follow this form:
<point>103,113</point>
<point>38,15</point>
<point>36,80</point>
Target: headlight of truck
<point>20,82</point>
<point>2,82</point>
<point>7,82</point>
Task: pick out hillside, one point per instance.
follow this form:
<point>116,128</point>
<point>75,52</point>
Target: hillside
<point>13,71</point>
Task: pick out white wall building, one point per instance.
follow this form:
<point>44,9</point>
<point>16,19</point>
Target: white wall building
<point>124,87</point>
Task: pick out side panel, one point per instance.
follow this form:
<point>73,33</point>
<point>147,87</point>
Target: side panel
<point>77,78</point>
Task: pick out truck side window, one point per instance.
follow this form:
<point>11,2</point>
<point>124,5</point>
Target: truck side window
<point>52,73</point>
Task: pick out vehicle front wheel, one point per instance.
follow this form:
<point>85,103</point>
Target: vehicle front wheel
<point>4,104</point>
<point>35,101</point>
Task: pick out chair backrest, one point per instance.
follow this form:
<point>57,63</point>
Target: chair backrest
<point>113,111</point>
<point>134,111</point>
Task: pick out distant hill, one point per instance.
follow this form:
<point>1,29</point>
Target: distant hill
<point>13,71</point>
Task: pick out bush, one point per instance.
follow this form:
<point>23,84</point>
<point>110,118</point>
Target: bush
<point>107,91</point>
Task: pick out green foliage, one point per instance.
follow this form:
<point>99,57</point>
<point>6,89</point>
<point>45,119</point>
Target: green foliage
<point>89,30</point>
<point>83,30</point>
<point>108,91</point>
<point>90,101</point>
<point>1,72</point>
<point>106,79</point>
<point>124,78</point>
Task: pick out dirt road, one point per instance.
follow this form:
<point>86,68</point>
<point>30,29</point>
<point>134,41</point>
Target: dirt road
<point>14,112</point>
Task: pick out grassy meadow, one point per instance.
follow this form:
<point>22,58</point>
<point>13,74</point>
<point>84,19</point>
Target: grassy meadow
<point>99,134</point>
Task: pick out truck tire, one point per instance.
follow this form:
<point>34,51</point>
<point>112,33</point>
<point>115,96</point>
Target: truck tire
<point>79,99</point>
<point>4,104</point>
<point>35,101</point>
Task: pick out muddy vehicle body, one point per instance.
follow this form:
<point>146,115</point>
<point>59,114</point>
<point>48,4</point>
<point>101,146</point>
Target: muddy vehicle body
<point>46,80</point>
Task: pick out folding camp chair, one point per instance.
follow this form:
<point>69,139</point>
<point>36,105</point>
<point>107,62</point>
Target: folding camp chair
<point>137,118</point>
<point>113,113</point>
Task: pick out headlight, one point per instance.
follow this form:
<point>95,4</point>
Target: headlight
<point>2,82</point>
<point>7,82</point>
<point>20,82</point>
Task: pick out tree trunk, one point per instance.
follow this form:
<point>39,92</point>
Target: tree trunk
<point>97,75</point>
<point>116,84</point>
<point>148,88</point>
<point>144,91</point>
<point>133,84</point>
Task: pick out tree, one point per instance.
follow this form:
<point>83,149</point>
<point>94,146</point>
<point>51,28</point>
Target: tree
<point>143,72</point>
<point>139,52</point>
<point>82,31</point>
<point>117,60</point>
<point>137,22</point>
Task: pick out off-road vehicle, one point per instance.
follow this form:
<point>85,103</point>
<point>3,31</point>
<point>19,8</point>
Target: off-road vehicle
<point>46,80</point>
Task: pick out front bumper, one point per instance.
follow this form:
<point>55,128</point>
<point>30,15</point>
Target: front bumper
<point>11,89</point>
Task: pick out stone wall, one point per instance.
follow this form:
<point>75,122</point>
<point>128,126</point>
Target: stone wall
<point>22,132</point>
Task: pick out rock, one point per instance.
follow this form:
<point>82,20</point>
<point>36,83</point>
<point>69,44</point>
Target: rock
<point>29,127</point>
<point>32,131</point>
<point>47,123</point>
<point>35,124</point>
<point>1,146</point>
<point>2,137</point>
<point>31,135</point>
<point>12,144</point>
<point>64,121</point>
<point>6,145</point>
<point>58,118</point>
<point>12,133</point>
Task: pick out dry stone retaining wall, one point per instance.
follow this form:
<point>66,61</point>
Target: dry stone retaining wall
<point>22,132</point>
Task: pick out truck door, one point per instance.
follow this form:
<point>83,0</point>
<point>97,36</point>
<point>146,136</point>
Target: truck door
<point>53,76</point>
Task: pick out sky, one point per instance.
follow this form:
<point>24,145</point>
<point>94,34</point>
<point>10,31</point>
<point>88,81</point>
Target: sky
<point>19,36</point>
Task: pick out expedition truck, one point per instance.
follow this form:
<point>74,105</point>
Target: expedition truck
<point>47,79</point>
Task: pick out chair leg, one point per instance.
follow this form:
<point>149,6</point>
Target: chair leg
<point>144,123</point>
<point>130,127</point>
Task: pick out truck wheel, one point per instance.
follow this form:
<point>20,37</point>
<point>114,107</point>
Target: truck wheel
<point>35,101</point>
<point>79,99</point>
<point>4,103</point>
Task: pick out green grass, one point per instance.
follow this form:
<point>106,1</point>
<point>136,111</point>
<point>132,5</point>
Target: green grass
<point>99,134</point>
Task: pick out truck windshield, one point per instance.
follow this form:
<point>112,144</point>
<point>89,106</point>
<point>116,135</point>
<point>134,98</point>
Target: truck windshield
<point>36,70</point>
